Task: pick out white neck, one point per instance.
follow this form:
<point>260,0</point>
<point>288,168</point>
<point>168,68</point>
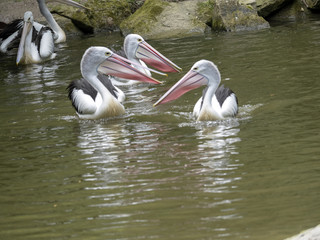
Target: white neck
<point>30,54</point>
<point>207,111</point>
<point>60,36</point>
<point>92,77</point>
<point>207,100</point>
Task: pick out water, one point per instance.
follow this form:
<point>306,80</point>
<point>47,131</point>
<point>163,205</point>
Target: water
<point>156,173</point>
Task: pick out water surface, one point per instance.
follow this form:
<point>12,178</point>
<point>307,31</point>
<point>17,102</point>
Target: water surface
<point>156,173</point>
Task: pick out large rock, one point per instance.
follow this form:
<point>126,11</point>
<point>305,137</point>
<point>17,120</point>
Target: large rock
<point>12,9</point>
<point>312,4</point>
<point>267,7</point>
<point>232,16</point>
<point>162,19</point>
<point>310,234</point>
<point>291,13</point>
<point>103,15</point>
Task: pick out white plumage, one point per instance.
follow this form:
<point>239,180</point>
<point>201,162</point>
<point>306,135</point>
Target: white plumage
<point>216,102</point>
<point>35,46</point>
<point>95,96</point>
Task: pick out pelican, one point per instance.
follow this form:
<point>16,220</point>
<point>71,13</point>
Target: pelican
<point>34,46</point>
<point>94,96</point>
<point>137,50</point>
<point>11,34</point>
<point>216,102</point>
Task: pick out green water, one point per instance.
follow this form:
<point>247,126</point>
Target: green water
<point>156,173</point>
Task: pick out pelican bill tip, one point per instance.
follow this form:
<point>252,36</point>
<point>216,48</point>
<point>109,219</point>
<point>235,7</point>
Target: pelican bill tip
<point>159,82</point>
<point>156,81</point>
<point>157,103</point>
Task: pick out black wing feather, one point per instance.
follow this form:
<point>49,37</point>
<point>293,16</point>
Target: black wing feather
<point>108,84</point>
<point>11,28</point>
<point>222,93</point>
<point>86,87</point>
<point>37,36</point>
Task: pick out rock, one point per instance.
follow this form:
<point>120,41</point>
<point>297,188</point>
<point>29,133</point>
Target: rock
<point>312,4</point>
<point>267,7</point>
<point>103,15</point>
<point>232,16</point>
<point>310,234</point>
<point>292,12</point>
<point>10,10</point>
<point>162,19</point>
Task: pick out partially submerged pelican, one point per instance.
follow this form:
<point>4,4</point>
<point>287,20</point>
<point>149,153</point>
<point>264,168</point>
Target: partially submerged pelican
<point>35,46</point>
<point>94,96</point>
<point>216,102</point>
<point>140,52</point>
<point>12,33</point>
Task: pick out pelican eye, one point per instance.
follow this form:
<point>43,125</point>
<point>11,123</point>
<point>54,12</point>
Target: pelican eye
<point>108,54</point>
<point>195,68</point>
<point>139,40</point>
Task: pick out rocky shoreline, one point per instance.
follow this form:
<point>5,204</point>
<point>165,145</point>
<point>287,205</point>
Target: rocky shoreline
<point>167,18</point>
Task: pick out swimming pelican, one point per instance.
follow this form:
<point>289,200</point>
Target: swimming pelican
<point>95,97</point>
<point>139,51</point>
<point>12,33</point>
<point>34,46</point>
<point>216,102</point>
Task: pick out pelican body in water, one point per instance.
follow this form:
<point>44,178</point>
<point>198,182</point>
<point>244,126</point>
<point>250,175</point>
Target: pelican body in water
<point>216,102</point>
<point>35,46</point>
<point>12,32</point>
<point>137,50</point>
<point>94,96</point>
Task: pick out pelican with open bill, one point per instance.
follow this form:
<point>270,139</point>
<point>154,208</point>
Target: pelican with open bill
<point>216,102</point>
<point>94,96</point>
<point>137,50</point>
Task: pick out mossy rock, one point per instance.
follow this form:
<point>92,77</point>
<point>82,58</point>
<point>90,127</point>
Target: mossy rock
<point>144,18</point>
<point>107,13</point>
<point>231,16</point>
<point>103,14</point>
<point>204,11</point>
<point>267,7</point>
<point>162,19</point>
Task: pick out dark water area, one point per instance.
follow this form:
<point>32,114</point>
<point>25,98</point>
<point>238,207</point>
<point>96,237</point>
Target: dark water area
<point>156,173</point>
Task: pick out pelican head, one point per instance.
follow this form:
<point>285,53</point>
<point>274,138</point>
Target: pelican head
<point>136,47</point>
<point>202,73</point>
<point>102,60</point>
<point>28,24</point>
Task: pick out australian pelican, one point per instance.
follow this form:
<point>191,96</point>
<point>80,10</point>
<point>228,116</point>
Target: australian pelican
<point>216,102</point>
<point>12,32</point>
<point>137,50</point>
<point>35,46</point>
<point>95,96</point>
